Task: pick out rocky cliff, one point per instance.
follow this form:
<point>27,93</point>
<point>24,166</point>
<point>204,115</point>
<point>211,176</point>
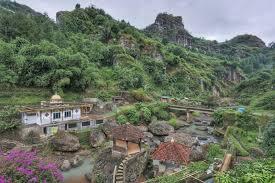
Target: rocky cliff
<point>247,40</point>
<point>170,28</point>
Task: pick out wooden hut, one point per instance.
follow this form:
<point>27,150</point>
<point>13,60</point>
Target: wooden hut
<point>127,139</point>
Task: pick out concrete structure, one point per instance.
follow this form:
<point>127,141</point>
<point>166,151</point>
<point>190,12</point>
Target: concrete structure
<point>190,110</point>
<point>56,115</point>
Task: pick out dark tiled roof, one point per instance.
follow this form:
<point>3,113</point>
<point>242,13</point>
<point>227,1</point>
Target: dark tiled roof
<point>172,152</point>
<point>127,132</point>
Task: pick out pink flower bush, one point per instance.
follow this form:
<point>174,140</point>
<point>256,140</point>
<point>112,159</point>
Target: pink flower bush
<point>25,166</point>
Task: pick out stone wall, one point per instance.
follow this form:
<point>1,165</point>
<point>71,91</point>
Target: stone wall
<point>135,166</point>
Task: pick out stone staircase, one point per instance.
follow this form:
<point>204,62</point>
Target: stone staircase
<point>119,176</point>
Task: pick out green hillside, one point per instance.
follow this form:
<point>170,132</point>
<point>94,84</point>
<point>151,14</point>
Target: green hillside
<point>87,50</point>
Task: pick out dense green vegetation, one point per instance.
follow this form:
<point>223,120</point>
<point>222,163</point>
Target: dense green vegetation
<point>251,171</point>
<point>143,113</point>
<point>269,139</point>
<point>87,49</point>
<point>8,119</point>
<point>86,53</point>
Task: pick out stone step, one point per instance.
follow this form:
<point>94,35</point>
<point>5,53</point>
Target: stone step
<point>121,167</point>
<point>119,171</point>
<point>119,174</point>
<point>119,182</point>
<point>119,178</point>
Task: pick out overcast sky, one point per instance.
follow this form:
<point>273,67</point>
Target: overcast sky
<point>211,19</point>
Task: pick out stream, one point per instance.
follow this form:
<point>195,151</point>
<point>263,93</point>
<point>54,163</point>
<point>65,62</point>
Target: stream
<point>77,175</point>
<point>203,136</point>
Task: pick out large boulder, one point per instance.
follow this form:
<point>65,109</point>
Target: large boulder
<point>143,128</point>
<point>256,152</point>
<point>107,128</point>
<point>161,128</point>
<point>66,165</point>
<point>76,161</point>
<point>97,138</point>
<point>6,145</point>
<point>198,153</point>
<point>65,142</point>
<point>182,138</point>
<point>32,137</point>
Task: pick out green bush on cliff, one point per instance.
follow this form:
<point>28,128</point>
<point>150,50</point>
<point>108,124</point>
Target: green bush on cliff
<point>269,139</point>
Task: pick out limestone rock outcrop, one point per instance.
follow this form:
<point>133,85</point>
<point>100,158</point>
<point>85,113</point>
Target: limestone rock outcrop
<point>171,28</point>
<point>65,142</point>
<point>161,128</point>
<point>97,137</point>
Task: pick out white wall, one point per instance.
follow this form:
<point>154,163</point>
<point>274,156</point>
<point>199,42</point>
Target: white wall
<point>30,119</point>
<point>47,117</point>
<point>76,113</point>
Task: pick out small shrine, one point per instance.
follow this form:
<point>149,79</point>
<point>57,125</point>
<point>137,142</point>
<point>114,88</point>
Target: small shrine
<point>127,139</point>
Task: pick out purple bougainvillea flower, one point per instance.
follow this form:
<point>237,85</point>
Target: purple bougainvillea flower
<point>24,171</point>
<point>30,167</point>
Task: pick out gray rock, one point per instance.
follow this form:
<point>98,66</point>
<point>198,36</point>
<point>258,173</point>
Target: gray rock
<point>256,152</point>
<point>148,135</point>
<point>105,164</point>
<point>161,128</point>
<point>201,128</point>
<point>6,145</point>
<point>97,137</point>
<point>66,165</point>
<point>107,128</point>
<point>65,142</point>
<point>182,138</point>
<point>142,128</point>
<point>76,161</point>
<point>197,153</point>
<point>156,141</point>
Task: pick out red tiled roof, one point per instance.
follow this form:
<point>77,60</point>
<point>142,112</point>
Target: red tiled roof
<point>127,132</point>
<point>172,152</point>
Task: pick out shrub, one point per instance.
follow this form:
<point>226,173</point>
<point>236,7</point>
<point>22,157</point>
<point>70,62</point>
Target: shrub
<point>8,119</point>
<point>249,172</point>
<point>267,102</point>
<point>246,121</point>
<point>25,166</point>
<point>214,151</point>
<point>200,166</point>
<point>133,116</point>
<point>173,122</point>
<point>84,137</point>
<point>269,139</point>
<point>224,118</point>
<point>145,114</point>
<point>32,137</point>
<point>140,96</point>
<point>121,119</point>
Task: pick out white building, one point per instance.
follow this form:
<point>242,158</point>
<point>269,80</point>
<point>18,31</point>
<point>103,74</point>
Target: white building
<point>57,115</point>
